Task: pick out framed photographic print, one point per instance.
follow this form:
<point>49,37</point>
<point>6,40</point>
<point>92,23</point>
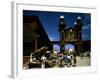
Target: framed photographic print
<point>50,40</point>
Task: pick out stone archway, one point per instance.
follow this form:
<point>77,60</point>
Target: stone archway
<point>56,47</point>
<point>69,47</point>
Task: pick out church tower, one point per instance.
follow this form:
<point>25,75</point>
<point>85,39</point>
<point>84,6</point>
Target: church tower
<point>62,26</point>
<point>78,27</point>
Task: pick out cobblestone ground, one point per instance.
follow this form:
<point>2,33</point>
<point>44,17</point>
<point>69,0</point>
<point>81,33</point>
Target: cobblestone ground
<point>84,61</point>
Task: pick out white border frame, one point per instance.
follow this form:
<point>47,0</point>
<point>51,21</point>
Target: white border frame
<point>17,28</point>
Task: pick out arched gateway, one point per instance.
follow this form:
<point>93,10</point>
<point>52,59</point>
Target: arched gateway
<point>70,35</point>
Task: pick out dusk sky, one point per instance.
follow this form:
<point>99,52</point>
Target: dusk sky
<point>50,21</point>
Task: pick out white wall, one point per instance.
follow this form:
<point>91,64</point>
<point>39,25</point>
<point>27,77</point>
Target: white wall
<point>5,37</point>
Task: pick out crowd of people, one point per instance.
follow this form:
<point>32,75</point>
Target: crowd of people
<point>58,60</point>
<point>67,60</point>
<point>54,60</point>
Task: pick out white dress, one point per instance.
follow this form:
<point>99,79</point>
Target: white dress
<point>43,58</point>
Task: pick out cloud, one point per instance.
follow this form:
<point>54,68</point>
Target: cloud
<point>51,38</point>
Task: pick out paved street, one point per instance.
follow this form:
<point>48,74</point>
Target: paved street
<point>84,61</point>
<point>81,62</point>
